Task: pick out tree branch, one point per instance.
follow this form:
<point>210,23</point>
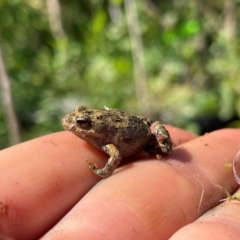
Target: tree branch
<point>8,108</point>
<point>138,56</point>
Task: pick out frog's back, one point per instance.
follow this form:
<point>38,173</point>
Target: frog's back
<point>129,133</point>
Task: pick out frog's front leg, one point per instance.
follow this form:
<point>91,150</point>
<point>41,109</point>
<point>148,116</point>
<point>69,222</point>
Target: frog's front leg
<point>163,138</point>
<point>111,164</point>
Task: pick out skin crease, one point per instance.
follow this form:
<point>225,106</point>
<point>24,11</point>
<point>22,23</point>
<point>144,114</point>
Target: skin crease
<point>43,181</point>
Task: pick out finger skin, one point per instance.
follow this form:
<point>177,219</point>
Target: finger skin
<point>221,223</point>
<point>153,199</point>
<point>40,180</point>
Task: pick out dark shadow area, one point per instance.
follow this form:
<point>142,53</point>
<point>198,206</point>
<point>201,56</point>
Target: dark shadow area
<point>212,123</point>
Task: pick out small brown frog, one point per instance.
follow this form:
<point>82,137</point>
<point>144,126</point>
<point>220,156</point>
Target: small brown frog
<point>117,133</point>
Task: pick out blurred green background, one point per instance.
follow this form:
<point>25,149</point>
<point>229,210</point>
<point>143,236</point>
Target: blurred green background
<point>177,61</point>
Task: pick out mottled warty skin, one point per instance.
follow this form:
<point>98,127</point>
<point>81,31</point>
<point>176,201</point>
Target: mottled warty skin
<point>117,133</point>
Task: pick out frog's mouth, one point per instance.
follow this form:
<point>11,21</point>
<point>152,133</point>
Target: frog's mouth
<point>68,122</point>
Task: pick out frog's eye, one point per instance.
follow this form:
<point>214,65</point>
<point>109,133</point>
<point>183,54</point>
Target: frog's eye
<point>84,123</point>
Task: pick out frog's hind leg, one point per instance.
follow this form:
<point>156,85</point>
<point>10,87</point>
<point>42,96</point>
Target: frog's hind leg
<point>163,138</point>
<point>111,164</point>
<point>160,142</point>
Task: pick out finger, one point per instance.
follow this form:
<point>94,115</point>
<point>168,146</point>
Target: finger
<point>153,199</point>
<point>179,135</point>
<point>40,180</point>
<point>46,175</point>
<point>4,237</point>
<point>221,223</point>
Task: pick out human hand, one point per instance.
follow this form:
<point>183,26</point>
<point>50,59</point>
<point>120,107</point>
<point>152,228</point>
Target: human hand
<point>47,180</point>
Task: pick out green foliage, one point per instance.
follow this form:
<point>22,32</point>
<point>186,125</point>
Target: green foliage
<point>192,67</point>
